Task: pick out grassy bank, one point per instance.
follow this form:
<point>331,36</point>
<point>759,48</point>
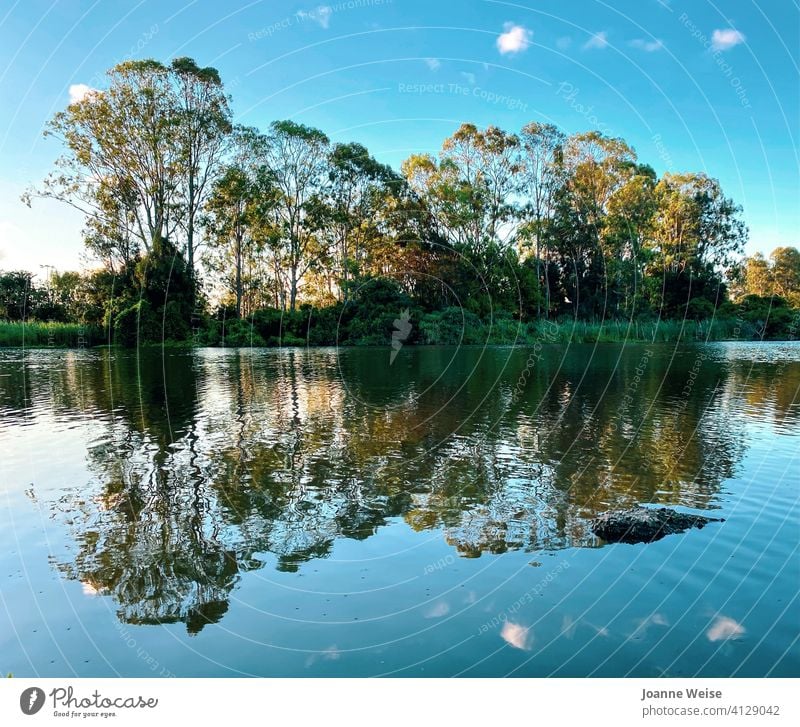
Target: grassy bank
<point>49,335</point>
<point>431,329</point>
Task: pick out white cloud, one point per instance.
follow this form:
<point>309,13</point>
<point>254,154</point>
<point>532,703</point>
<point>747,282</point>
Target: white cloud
<point>79,91</point>
<point>564,42</point>
<point>598,40</point>
<point>516,635</point>
<point>433,63</point>
<point>469,77</point>
<point>725,39</point>
<point>647,45</point>
<point>724,628</point>
<point>320,15</point>
<point>438,610</point>
<point>514,39</point>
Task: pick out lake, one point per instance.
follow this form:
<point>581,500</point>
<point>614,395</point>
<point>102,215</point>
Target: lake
<point>421,512</point>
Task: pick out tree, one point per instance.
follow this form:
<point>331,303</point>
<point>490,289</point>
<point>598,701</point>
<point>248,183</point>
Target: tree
<point>357,193</point>
<point>470,189</point>
<point>123,162</point>
<point>237,221</point>
<point>204,124</point>
<point>785,270</point>
<point>296,159</point>
<point>541,174</point>
<point>596,167</point>
<point>757,276</point>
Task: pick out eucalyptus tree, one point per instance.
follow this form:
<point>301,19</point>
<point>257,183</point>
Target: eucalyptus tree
<point>123,162</point>
<point>596,166</point>
<point>629,228</point>
<point>785,269</point>
<point>140,155</point>
<point>470,188</point>
<point>357,196</point>
<point>540,176</point>
<point>696,224</point>
<point>296,157</point>
<point>697,234</point>
<point>203,133</point>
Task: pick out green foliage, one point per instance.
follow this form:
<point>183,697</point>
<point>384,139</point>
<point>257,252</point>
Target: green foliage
<point>45,335</point>
<point>500,238</point>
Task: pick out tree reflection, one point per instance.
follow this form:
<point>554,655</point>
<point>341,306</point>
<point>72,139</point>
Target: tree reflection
<point>208,459</point>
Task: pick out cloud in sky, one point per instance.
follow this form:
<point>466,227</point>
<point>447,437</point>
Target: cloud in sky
<point>564,42</point>
<point>433,63</point>
<point>726,38</point>
<point>470,78</point>
<point>598,40</point>
<point>647,45</point>
<point>514,39</point>
<point>79,91</point>
<point>320,15</point>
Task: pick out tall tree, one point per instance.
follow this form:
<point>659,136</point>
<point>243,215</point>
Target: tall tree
<point>123,163</point>
<point>541,174</point>
<point>357,190</point>
<point>204,125</point>
<point>296,158</point>
<point>785,264</point>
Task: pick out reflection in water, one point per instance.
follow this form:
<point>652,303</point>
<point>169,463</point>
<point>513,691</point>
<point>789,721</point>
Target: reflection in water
<point>204,461</point>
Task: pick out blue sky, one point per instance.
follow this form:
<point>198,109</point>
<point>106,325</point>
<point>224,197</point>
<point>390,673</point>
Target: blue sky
<point>696,85</point>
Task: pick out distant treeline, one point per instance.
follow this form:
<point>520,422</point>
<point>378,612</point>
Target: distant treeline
<point>209,232</point>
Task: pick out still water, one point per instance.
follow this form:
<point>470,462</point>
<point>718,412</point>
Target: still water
<point>321,512</point>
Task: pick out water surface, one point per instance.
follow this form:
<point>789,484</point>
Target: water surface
<point>333,512</point>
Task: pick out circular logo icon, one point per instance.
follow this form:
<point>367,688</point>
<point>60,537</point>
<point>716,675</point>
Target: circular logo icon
<point>32,700</point>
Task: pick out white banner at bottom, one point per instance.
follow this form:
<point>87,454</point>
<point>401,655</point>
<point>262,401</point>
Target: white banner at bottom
<point>416,702</point>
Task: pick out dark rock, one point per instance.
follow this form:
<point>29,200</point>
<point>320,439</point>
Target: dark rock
<point>644,524</point>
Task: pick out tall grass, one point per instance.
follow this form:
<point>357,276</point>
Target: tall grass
<point>617,331</point>
<point>49,335</point>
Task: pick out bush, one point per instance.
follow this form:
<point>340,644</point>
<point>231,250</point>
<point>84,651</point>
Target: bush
<point>237,333</point>
<point>450,327</point>
<point>135,324</point>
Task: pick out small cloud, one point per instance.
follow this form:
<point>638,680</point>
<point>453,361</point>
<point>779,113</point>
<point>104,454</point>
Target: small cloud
<point>724,628</point>
<point>438,610</point>
<point>79,91</point>
<point>598,40</point>
<point>433,63</point>
<point>320,15</point>
<point>563,42</point>
<point>515,635</point>
<point>469,77</point>
<point>726,39</point>
<point>514,39</point>
<point>647,45</point>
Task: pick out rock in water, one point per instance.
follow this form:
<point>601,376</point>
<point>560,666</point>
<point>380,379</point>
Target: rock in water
<point>644,524</point>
